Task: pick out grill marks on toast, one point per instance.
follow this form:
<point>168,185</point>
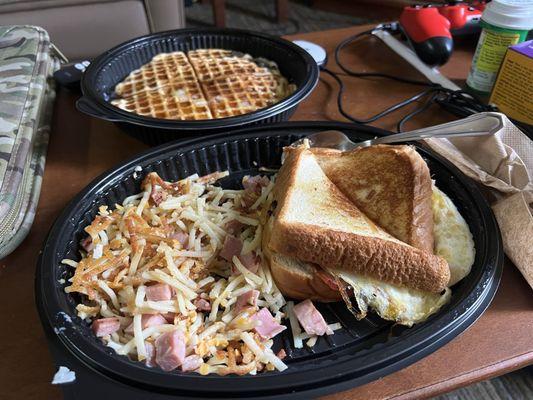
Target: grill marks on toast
<point>316,223</point>
<point>398,198</point>
<point>203,84</point>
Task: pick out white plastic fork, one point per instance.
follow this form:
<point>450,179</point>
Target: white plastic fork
<point>487,123</point>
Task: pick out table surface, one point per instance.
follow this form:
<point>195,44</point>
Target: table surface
<point>82,147</point>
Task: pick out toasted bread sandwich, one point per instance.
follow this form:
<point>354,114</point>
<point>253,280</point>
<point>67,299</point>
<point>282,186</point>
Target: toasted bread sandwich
<point>389,184</point>
<point>301,280</point>
<point>298,279</point>
<point>310,210</point>
<point>315,222</point>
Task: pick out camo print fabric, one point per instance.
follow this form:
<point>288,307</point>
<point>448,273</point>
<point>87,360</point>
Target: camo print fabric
<point>26,98</point>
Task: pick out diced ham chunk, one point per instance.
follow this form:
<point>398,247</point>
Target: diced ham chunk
<point>191,363</point>
<point>169,316</point>
<point>158,194</point>
<point>234,227</point>
<point>246,300</point>
<point>232,247</point>
<point>248,199</point>
<point>87,244</point>
<point>170,350</point>
<point>281,354</point>
<point>310,318</point>
<point>328,279</point>
<point>252,189</point>
<point>150,354</point>
<point>159,292</point>
<point>148,320</point>
<point>105,326</point>
<point>181,237</point>
<point>202,305</point>
<point>255,183</point>
<point>268,327</point>
<point>251,261</point>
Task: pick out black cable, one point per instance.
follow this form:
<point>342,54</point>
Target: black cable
<point>379,115</point>
<point>348,71</point>
<point>417,111</point>
<point>457,102</point>
<point>463,104</point>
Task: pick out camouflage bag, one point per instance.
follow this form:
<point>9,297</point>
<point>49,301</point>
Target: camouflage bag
<point>27,63</point>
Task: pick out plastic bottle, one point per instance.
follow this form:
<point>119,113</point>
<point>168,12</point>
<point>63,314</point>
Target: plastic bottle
<point>504,23</point>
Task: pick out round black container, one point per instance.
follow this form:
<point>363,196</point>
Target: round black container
<point>358,353</point>
<point>99,80</point>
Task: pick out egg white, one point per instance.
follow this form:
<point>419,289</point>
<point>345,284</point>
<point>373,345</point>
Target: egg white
<point>406,306</point>
<point>453,239</point>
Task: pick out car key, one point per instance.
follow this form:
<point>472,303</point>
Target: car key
<point>70,75</point>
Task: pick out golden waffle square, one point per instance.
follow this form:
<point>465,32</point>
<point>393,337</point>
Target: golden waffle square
<point>210,64</point>
<point>160,71</point>
<point>176,100</point>
<point>237,95</point>
<point>235,84</point>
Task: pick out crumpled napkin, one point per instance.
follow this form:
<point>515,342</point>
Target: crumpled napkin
<point>504,164</point>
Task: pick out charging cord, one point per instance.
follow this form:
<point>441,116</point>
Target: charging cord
<point>457,102</point>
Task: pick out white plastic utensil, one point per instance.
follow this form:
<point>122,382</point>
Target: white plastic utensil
<point>487,123</point>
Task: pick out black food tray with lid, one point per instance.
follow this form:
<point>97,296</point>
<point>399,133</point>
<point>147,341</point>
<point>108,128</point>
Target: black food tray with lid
<point>99,80</point>
<point>358,353</point>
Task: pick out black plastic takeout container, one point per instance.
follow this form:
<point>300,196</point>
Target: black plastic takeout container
<point>358,353</point>
<point>99,80</point>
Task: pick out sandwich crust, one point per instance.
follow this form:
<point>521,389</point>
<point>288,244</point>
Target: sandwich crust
<point>299,280</point>
<point>384,260</point>
<point>294,278</point>
<point>315,222</point>
<point>390,184</point>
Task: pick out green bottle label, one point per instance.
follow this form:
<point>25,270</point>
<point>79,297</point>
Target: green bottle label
<point>493,49</point>
<point>490,51</point>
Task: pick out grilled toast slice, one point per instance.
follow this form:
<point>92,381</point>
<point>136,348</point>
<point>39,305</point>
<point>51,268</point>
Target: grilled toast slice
<point>390,184</point>
<point>295,278</point>
<point>315,222</point>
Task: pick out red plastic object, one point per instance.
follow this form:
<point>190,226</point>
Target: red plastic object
<point>422,23</point>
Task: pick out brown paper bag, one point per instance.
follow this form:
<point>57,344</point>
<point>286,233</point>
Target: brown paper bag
<point>504,163</point>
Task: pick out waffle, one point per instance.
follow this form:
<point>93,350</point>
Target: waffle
<point>236,95</point>
<point>176,100</point>
<point>204,84</point>
<point>210,64</point>
<point>160,71</point>
<point>236,84</point>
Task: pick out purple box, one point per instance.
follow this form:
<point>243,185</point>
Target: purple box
<point>525,48</point>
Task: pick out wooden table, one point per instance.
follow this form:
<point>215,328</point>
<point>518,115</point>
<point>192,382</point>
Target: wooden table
<point>82,147</point>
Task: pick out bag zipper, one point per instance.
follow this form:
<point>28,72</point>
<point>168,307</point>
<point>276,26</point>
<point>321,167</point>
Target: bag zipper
<point>7,224</point>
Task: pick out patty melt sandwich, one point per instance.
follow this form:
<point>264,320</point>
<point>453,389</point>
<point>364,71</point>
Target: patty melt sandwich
<point>358,225</point>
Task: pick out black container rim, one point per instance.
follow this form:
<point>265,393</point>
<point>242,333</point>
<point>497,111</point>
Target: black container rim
<point>118,115</point>
<point>376,361</point>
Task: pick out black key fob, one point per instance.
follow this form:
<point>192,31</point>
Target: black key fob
<point>70,75</point>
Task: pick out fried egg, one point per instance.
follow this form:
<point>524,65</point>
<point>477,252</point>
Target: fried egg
<point>403,305</point>
<point>453,239</point>
<point>407,306</point>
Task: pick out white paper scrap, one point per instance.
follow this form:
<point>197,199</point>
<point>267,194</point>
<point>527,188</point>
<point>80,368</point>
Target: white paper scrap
<point>63,375</point>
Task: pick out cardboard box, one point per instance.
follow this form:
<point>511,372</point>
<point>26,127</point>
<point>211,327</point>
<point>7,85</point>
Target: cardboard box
<point>513,90</point>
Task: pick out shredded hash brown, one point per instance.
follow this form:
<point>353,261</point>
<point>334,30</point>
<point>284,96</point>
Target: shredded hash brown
<point>173,233</point>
